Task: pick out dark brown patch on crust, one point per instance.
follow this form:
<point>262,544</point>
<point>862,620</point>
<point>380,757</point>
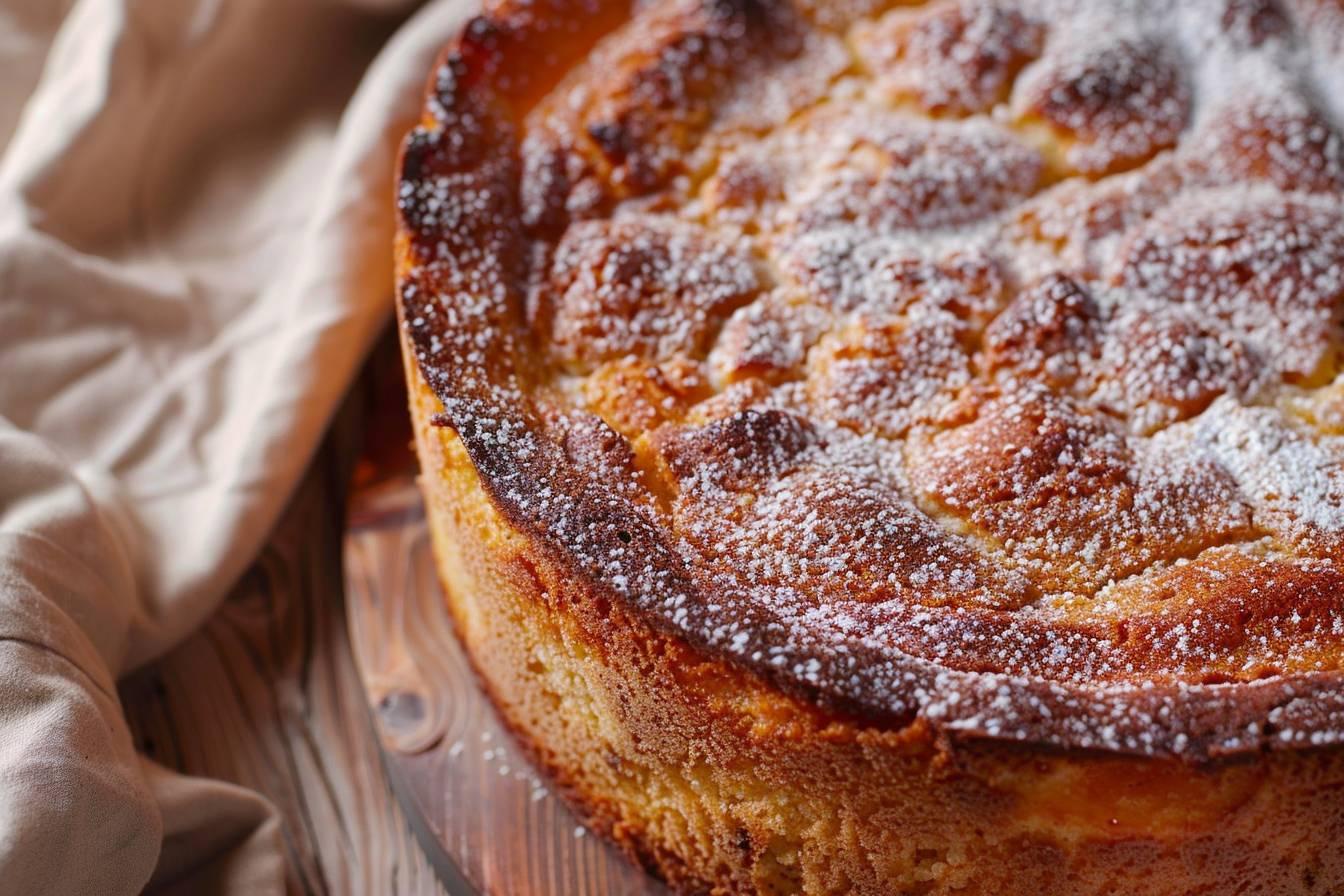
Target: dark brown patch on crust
<point>644,286</point>
<point>952,58</point>
<point>1122,100</point>
<point>1047,330</point>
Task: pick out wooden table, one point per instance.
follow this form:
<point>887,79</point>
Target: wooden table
<point>267,696</point>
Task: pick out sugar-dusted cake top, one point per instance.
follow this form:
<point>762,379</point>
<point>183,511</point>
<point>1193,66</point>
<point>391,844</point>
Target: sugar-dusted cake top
<point>977,361</point>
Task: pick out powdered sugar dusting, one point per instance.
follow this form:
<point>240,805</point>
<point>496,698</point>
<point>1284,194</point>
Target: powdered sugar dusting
<point>984,376</point>
<point>1118,98</point>
<point>950,58</point>
<point>1294,479</point>
<point>644,286</point>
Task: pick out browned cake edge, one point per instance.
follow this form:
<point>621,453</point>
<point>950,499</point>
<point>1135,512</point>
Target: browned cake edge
<point>717,782</point>
<point>729,776</point>
<point>468,132</point>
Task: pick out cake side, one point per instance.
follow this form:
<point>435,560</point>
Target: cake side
<point>717,782</point>
<point>878,449</point>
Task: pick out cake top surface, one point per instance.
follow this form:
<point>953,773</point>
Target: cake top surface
<point>976,361</point>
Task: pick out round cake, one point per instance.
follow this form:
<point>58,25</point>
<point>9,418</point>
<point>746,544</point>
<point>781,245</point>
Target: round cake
<point>898,449</point>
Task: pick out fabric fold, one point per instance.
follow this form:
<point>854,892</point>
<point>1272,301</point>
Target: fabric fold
<point>195,231</point>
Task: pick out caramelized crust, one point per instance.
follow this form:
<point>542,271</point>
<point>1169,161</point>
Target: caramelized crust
<point>1107,101</point>
<point>644,287</point>
<point>1049,331</point>
<point>950,58</point>
<point>972,368</point>
<point>1270,267</point>
<point>930,407</point>
<point>1074,504</point>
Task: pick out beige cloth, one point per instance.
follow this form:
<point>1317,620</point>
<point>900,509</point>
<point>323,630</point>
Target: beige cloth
<point>195,217</point>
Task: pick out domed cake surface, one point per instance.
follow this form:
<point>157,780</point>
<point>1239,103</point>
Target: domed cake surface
<point>971,367</point>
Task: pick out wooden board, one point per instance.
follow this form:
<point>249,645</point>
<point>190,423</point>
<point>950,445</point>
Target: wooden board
<point>486,820</point>
<point>266,696</point>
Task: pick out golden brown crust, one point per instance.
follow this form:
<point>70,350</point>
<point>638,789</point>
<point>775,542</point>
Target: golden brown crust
<point>874,449</point>
<point>717,782</point>
<point>950,58</point>
<point>860,400</point>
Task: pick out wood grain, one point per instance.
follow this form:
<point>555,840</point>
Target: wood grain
<point>269,695</point>
<point>266,695</point>
<point>485,818</point>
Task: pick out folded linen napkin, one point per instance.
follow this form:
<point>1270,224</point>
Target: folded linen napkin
<point>195,231</point>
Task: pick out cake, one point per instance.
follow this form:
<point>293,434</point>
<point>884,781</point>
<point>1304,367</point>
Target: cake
<point>897,449</point>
